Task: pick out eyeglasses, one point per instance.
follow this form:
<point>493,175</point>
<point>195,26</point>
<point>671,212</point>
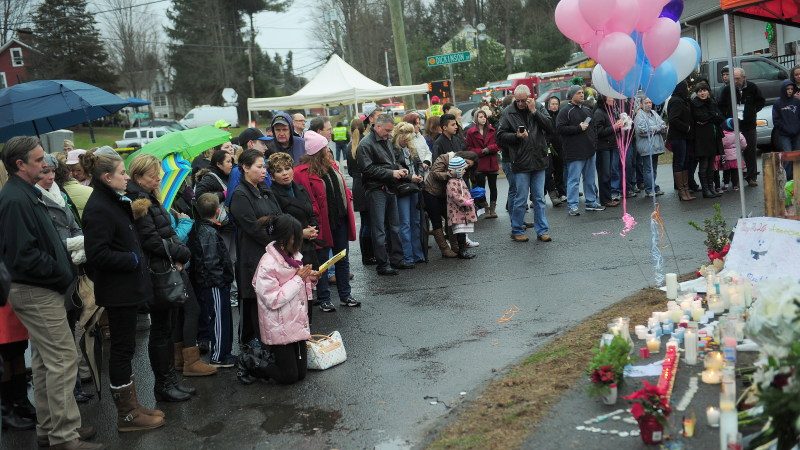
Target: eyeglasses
<point>299,120</point>
<point>521,101</point>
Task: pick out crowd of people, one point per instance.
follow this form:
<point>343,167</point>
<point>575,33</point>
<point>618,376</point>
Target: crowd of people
<point>87,240</point>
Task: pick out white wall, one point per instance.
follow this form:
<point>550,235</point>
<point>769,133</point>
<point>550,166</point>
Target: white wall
<point>750,35</point>
<point>712,39</point>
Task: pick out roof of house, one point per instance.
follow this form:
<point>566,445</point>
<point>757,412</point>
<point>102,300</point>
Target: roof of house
<point>697,9</point>
<point>15,43</point>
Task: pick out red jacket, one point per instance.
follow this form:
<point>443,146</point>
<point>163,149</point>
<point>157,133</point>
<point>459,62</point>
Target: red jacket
<point>11,329</point>
<point>476,142</point>
<point>319,200</point>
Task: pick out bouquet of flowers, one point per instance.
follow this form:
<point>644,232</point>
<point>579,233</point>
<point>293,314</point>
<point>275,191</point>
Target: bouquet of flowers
<point>774,323</point>
<point>650,400</point>
<point>717,234</point>
<point>607,366</point>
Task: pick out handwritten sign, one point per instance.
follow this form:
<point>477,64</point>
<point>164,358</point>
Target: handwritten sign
<point>765,247</point>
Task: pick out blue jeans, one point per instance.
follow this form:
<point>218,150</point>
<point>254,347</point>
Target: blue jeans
<point>650,172</point>
<point>382,212</point>
<point>788,144</point>
<point>410,228</point>
<point>342,268</point>
<point>512,188</point>
<point>576,169</point>
<point>529,183</point>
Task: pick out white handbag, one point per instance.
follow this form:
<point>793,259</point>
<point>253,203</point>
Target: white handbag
<point>325,351</point>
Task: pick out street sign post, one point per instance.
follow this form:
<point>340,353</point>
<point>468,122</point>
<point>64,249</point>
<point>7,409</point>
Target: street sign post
<point>448,59</point>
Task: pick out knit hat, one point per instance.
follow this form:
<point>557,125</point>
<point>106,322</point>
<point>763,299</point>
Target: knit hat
<point>314,142</point>
<point>435,99</point>
<point>73,157</point>
<point>51,160</point>
<point>573,90</point>
<point>106,150</point>
<point>728,125</point>
<point>457,165</point>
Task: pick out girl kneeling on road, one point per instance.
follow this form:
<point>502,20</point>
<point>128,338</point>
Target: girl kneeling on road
<point>283,289</point>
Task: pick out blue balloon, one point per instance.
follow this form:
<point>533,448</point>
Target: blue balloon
<point>662,83</point>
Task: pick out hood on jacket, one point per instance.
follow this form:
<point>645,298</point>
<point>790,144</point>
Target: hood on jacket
<point>140,207</point>
<point>784,85</point>
<point>681,90</point>
<point>288,120</point>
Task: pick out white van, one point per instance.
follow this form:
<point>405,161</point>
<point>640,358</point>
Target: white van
<point>208,115</point>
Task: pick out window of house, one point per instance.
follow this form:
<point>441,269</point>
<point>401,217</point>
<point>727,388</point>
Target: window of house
<point>3,83</point>
<point>159,100</point>
<point>16,57</point>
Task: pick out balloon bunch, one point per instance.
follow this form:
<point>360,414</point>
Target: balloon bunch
<point>637,44</point>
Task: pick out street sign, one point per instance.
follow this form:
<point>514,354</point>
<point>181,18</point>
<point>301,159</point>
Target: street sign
<point>447,59</point>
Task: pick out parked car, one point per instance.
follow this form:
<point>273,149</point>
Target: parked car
<point>767,74</point>
<point>141,136</point>
<point>208,115</point>
<point>152,123</point>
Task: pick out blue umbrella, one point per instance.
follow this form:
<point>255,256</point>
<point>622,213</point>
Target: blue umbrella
<point>43,106</point>
<point>137,102</point>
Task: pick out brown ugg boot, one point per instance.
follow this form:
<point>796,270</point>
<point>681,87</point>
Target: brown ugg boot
<point>193,366</point>
<point>178,356</point>
<point>444,247</point>
<point>129,416</point>
<point>144,410</point>
<point>492,213</point>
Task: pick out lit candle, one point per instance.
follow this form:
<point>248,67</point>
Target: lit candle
<point>712,416</point>
<point>675,315</point>
<point>697,313</point>
<point>711,376</point>
<point>690,346</point>
<point>653,344</point>
<point>641,331</point>
<point>672,286</point>
<point>714,361</point>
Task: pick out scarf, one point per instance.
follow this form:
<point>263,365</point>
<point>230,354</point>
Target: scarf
<point>294,263</point>
<point>54,194</point>
<point>333,192</point>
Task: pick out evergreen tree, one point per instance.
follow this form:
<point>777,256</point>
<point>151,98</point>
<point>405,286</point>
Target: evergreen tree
<point>68,45</point>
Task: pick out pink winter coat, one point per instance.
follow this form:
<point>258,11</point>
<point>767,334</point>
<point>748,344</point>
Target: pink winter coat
<point>460,208</point>
<point>729,143</point>
<point>282,299</point>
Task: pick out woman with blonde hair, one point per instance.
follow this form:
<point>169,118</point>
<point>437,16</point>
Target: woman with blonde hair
<point>359,200</point>
<point>408,194</point>
<point>160,247</point>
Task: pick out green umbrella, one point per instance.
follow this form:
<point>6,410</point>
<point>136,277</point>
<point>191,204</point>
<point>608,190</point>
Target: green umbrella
<point>187,143</point>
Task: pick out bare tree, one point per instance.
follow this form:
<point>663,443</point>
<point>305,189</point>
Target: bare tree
<point>133,45</point>
<point>13,16</point>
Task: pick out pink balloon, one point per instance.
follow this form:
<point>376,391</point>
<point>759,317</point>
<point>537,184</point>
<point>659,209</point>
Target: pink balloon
<point>661,40</point>
<point>617,54</point>
<point>625,16</point>
<point>597,12</point>
<point>570,22</point>
<point>649,10</point>
<point>592,47</point>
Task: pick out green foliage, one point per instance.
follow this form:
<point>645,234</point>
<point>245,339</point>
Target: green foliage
<point>68,45</point>
<point>615,355</point>
<point>715,228</point>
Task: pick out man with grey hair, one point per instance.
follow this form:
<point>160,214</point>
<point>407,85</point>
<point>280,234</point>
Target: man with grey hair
<point>380,173</point>
<point>523,131</point>
<point>298,124</point>
<point>41,273</point>
<point>749,101</point>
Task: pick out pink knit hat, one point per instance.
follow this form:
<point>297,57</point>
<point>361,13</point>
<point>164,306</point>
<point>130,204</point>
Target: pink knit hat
<point>314,142</point>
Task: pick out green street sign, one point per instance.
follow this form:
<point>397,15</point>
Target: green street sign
<point>449,58</point>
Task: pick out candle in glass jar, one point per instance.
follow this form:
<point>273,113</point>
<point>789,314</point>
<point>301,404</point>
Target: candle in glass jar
<point>711,376</point>
<point>714,361</point>
<point>672,286</point>
<point>712,416</point>
<point>697,313</point>
<point>653,344</point>
<point>641,331</point>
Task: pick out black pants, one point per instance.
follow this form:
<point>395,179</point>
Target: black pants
<point>364,240</point>
<point>749,155</point>
<point>481,181</point>
<point>437,208</point>
<point>159,344</point>
<point>554,176</point>
<point>385,228</point>
<point>187,318</point>
<point>290,363</point>
<point>731,176</point>
<point>707,172</point>
<point>248,320</point>
<point>122,326</point>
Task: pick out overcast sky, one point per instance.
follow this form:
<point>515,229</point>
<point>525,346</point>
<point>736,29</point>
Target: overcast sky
<point>275,32</point>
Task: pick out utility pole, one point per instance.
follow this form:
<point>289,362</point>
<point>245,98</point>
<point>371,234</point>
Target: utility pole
<point>251,78</point>
<point>400,48</point>
<point>386,59</point>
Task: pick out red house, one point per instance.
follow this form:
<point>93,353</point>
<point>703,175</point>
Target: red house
<point>14,59</point>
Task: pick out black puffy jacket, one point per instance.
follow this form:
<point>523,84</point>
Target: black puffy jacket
<point>210,183</point>
<point>679,114</point>
<point>300,207</point>
<point>531,154</point>
<point>155,226</point>
<point>211,266</point>
<point>114,258</point>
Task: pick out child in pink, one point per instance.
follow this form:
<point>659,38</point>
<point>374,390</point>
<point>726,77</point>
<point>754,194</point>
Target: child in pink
<point>461,213</point>
<point>283,290</point>
<point>727,162</point>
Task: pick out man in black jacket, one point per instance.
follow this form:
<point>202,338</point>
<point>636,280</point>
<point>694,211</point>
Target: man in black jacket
<point>449,140</point>
<point>578,142</point>
<point>523,131</point>
<point>41,272</point>
<point>380,172</point>
<point>749,101</point>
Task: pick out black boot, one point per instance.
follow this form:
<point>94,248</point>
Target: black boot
<point>367,256</point>
<point>11,418</point>
<point>19,395</point>
<point>708,188</point>
<point>166,381</point>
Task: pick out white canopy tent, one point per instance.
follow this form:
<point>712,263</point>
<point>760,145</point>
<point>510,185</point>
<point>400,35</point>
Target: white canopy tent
<point>338,83</point>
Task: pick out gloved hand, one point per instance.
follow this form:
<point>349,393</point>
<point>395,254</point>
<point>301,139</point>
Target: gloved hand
<point>78,257</point>
<point>469,202</point>
<point>75,243</point>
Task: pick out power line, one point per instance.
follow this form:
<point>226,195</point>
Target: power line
<point>128,7</point>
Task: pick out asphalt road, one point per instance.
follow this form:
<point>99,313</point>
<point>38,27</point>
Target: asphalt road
<point>427,335</point>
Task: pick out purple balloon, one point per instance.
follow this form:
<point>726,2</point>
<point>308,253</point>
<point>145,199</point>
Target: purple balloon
<point>673,10</point>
